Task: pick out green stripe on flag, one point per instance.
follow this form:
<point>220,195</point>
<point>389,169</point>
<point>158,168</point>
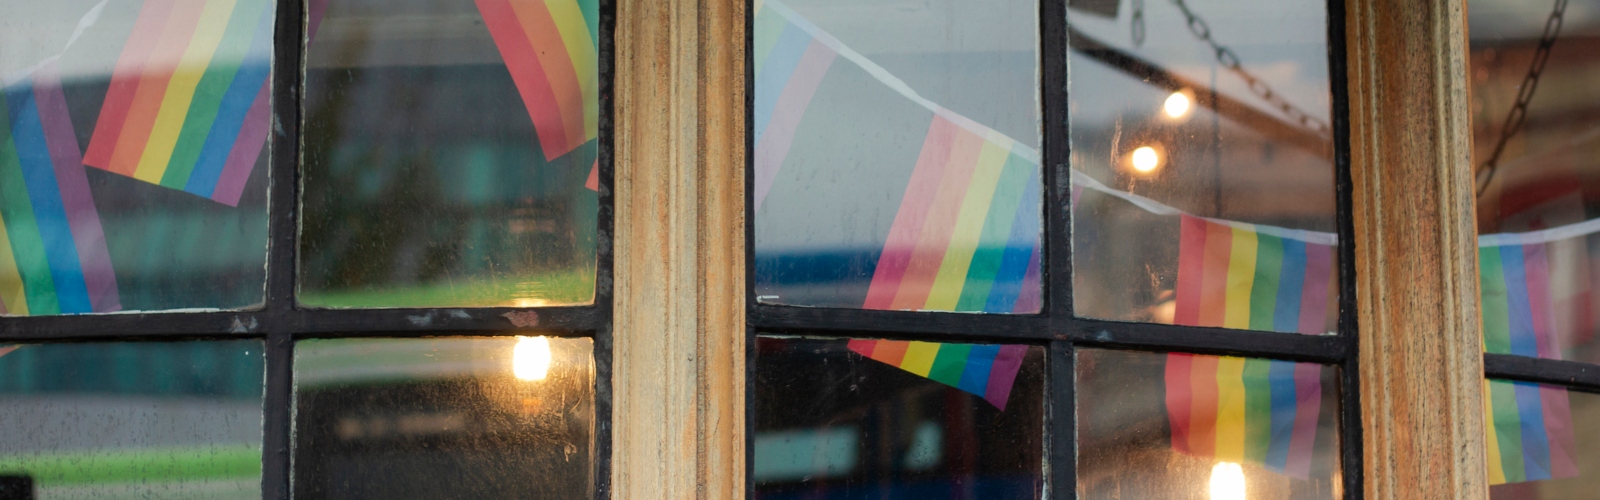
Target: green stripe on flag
<point>948,365</point>
<point>1258,409</point>
<point>1508,429</point>
<point>1495,307</point>
<point>1269,271</point>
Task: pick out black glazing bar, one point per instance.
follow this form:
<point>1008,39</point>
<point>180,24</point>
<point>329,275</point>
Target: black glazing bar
<point>1326,349</point>
<point>308,323</point>
<point>1350,445</point>
<point>282,204</point>
<point>750,403</point>
<point>1062,416</point>
<point>1057,151</point>
<point>1583,376</point>
<point>829,321</point>
<point>600,314</point>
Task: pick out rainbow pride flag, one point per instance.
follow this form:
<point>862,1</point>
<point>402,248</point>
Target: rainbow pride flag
<point>790,63</point>
<point>985,370</point>
<point>1516,288</point>
<point>189,107</point>
<point>1530,432</point>
<point>551,48</point>
<point>1245,410</point>
<point>53,256</point>
<point>1246,276</point>
<point>966,235</point>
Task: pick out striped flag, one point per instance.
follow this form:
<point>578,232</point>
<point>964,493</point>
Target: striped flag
<point>551,48</point>
<point>985,370</point>
<point>1516,287</point>
<point>966,235</point>
<point>1530,432</point>
<point>1246,276</point>
<point>53,256</point>
<point>790,63</point>
<point>1244,410</point>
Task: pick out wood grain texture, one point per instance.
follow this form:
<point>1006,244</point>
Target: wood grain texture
<point>679,293</point>
<point>1416,259</point>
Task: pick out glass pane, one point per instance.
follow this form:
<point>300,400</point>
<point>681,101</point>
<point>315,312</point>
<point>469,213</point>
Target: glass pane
<point>1155,425</point>
<point>133,155</point>
<point>1534,450</point>
<point>1539,178</point>
<point>450,154</point>
<point>1203,171</point>
<point>133,420</point>
<point>896,154</point>
<point>840,418</point>
<point>473,417</point>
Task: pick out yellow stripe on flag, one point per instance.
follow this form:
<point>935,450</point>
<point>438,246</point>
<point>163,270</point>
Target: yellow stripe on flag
<point>1241,276</point>
<point>947,284</point>
<point>585,59</point>
<point>919,358</point>
<point>1497,471</point>
<point>11,293</point>
<point>1230,409</point>
<point>180,90</point>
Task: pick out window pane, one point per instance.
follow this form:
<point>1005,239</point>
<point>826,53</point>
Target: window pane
<point>841,418</point>
<point>1156,425</point>
<point>133,420</point>
<point>475,417</point>
<point>133,155</point>
<point>1203,164</point>
<point>896,155</point>
<point>1539,179</point>
<point>450,153</point>
<point>1534,450</point>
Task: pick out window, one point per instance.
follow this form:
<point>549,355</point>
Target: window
<point>361,249</point>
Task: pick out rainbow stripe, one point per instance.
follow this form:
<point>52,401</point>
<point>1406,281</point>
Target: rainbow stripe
<point>1237,275</point>
<point>551,48</point>
<point>1245,410</point>
<point>790,64</point>
<point>53,256</point>
<point>189,107</point>
<point>1518,313</point>
<point>1530,432</point>
<point>985,370</point>
<point>966,236</point>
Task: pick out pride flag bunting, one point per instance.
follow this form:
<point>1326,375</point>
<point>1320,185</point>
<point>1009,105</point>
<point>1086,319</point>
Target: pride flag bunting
<point>985,370</point>
<point>966,235</point>
<point>1520,296</point>
<point>790,64</point>
<point>1245,410</point>
<point>53,256</point>
<point>1530,432</point>
<point>189,107</point>
<point>1236,275</point>
<point>551,48</point>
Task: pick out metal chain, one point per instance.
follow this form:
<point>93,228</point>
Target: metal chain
<point>1230,60</point>
<point>1138,23</point>
<point>1518,116</point>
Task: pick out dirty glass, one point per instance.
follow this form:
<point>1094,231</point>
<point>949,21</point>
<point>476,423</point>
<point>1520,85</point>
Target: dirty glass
<point>1534,141</point>
<point>463,417</point>
<point>1534,451</point>
<point>896,154</point>
<point>1202,163</point>
<point>864,418</point>
<point>450,153</point>
<point>133,155</point>
<point>133,420</point>
<point>1159,425</point>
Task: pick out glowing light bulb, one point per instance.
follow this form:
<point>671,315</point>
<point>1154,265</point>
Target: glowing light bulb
<point>1177,105</point>
<point>1227,481</point>
<point>1146,160</point>
<point>530,359</point>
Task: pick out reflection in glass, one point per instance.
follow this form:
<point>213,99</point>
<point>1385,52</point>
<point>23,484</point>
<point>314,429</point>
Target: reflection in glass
<point>133,420</point>
<point>450,155</point>
<point>1535,452</point>
<point>1538,176</point>
<point>838,418</point>
<point>896,155</point>
<point>1203,160</point>
<point>1153,425</point>
<point>474,417</point>
<point>132,155</point>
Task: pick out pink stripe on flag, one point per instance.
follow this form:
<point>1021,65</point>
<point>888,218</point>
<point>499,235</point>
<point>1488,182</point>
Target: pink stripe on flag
<point>1314,297</point>
<point>862,347</point>
<point>1003,374</point>
<point>246,149</point>
<point>791,106</point>
<point>1558,430</point>
<point>98,277</point>
<point>907,228</point>
<point>314,11</point>
<point>1307,407</point>
<point>1536,267</point>
<point>1029,298</point>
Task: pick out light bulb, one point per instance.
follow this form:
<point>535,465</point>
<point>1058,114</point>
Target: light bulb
<point>1146,160</point>
<point>1177,105</point>
<point>1227,481</point>
<point>530,359</point>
